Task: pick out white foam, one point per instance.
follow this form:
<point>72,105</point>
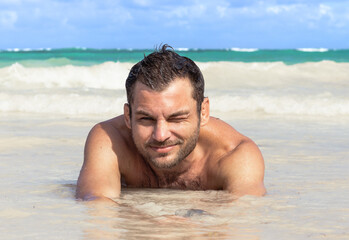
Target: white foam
<point>44,49</point>
<point>27,49</point>
<point>227,75</point>
<point>182,49</point>
<point>319,104</point>
<point>244,49</point>
<point>271,88</point>
<point>108,75</point>
<point>312,49</point>
<point>104,102</point>
<point>66,103</point>
<point>81,48</point>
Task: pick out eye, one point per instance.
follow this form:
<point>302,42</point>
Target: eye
<point>177,119</point>
<point>146,119</point>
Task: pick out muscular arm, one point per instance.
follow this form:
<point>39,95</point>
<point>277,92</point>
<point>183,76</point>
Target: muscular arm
<point>99,176</point>
<point>243,170</point>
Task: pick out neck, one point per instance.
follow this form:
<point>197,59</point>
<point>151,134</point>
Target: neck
<point>185,172</point>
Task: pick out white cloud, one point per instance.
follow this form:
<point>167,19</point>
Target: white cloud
<point>10,1</point>
<point>178,12</point>
<point>193,11</point>
<point>221,11</point>
<point>322,15</point>
<point>20,2</point>
<point>180,18</point>
<point>142,3</point>
<point>8,19</point>
<point>120,15</point>
<point>279,9</point>
<point>325,10</point>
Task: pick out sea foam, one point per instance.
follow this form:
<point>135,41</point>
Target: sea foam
<point>107,75</point>
<point>244,49</point>
<point>318,105</point>
<point>318,88</point>
<point>312,49</point>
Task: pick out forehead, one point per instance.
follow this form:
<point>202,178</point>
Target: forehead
<point>178,94</point>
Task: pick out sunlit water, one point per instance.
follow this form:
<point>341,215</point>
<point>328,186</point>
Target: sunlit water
<point>307,163</point>
<point>298,114</point>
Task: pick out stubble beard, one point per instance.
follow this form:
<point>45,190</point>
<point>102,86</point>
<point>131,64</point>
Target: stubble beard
<point>186,147</point>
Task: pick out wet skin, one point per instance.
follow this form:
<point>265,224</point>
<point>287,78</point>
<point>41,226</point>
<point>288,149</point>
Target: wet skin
<point>165,143</point>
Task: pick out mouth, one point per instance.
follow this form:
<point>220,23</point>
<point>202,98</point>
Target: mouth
<point>162,149</point>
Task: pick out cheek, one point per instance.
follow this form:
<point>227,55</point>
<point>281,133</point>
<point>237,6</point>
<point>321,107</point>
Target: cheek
<point>141,133</point>
<point>184,130</point>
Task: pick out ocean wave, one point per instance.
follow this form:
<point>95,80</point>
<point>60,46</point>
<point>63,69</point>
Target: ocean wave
<point>225,75</point>
<point>244,49</point>
<point>94,103</point>
<point>272,88</point>
<point>182,49</point>
<point>315,105</point>
<point>312,49</point>
<point>61,103</point>
<point>274,74</point>
<point>25,50</point>
<point>108,75</point>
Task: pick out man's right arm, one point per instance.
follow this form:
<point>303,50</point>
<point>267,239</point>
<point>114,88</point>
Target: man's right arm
<point>99,176</point>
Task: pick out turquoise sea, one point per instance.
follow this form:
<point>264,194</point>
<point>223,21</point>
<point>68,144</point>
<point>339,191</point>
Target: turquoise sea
<point>87,57</point>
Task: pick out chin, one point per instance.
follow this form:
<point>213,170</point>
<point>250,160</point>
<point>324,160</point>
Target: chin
<point>164,163</point>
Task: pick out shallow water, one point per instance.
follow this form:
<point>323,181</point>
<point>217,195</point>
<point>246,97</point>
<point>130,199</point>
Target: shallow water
<point>307,163</point>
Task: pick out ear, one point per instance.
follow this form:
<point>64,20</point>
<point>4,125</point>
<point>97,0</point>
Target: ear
<point>127,115</point>
<point>205,111</point>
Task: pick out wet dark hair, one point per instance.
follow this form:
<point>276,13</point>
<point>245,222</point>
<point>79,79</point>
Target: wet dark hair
<point>160,68</point>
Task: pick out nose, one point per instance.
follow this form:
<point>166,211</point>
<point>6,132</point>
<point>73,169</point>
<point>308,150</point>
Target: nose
<point>161,131</point>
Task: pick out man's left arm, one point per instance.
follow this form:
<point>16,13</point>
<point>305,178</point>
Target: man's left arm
<point>243,170</point>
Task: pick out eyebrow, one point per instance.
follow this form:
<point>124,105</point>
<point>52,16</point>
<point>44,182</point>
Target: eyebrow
<point>142,112</point>
<point>175,114</point>
<point>179,113</point>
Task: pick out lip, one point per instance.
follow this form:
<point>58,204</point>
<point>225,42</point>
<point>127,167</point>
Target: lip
<point>164,149</point>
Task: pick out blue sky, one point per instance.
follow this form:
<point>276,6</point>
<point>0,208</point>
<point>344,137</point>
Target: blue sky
<point>191,23</point>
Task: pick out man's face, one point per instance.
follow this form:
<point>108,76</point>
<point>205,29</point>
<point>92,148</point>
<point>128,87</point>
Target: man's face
<point>165,125</point>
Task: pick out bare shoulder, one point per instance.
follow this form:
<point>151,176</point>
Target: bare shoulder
<point>223,137</point>
<point>100,174</point>
<point>105,136</point>
<point>238,163</point>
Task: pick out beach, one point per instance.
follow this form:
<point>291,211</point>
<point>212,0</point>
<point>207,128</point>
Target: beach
<point>298,114</point>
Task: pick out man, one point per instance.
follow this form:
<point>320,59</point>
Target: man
<point>167,139</point>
